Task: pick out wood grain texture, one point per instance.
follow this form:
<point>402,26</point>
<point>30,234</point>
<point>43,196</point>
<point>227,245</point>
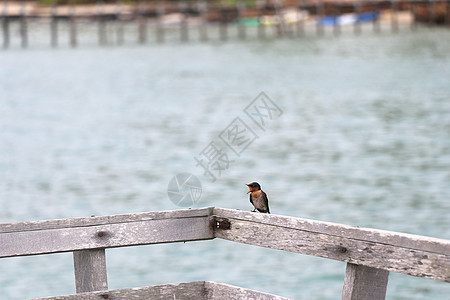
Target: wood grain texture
<point>364,283</point>
<point>191,290</point>
<point>199,290</point>
<point>339,247</point>
<point>105,236</point>
<point>90,270</point>
<point>103,220</point>
<point>220,291</point>
<point>405,240</point>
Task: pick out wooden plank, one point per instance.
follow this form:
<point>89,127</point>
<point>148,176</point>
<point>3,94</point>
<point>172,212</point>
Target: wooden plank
<point>222,291</point>
<point>102,220</point>
<point>364,283</point>
<point>191,290</point>
<point>368,253</point>
<point>105,236</point>
<point>199,290</point>
<point>398,239</point>
<point>90,270</point>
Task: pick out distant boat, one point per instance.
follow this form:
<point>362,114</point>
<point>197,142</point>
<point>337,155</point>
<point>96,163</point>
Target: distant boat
<point>346,19</point>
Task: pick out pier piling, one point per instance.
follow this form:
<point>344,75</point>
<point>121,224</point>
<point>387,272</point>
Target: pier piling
<point>72,27</point>
<point>23,25</point>
<point>5,25</point>
<point>203,11</point>
<point>184,30</point>
<point>54,26</point>
<point>142,23</point>
<point>160,10</point>
<point>120,35</point>
<point>319,15</point>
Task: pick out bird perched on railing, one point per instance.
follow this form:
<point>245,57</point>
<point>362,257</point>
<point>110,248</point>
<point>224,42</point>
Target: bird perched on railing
<point>258,198</point>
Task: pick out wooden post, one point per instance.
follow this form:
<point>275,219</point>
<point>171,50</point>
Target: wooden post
<point>261,4</point>
<point>5,23</point>
<point>54,26</point>
<point>364,283</point>
<point>447,15</point>
<point>240,6</point>
<point>184,31</point>
<point>119,23</point>
<point>203,9</point>
<point>223,23</point>
<point>431,12</point>
<point>336,12</point>
<point>300,22</point>
<point>73,27</point>
<point>142,23</point>
<point>101,23</point>
<point>394,16</point>
<point>23,25</point>
<point>319,15</point>
<point>376,21</point>
<point>6,32</point>
<point>357,25</point>
<point>159,25</point>
<point>412,8</point>
<point>90,270</point>
<point>282,29</point>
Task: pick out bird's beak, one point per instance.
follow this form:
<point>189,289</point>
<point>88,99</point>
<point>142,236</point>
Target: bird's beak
<point>249,189</point>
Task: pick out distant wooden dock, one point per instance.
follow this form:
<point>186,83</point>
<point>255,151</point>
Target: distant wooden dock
<point>370,254</point>
<point>284,18</point>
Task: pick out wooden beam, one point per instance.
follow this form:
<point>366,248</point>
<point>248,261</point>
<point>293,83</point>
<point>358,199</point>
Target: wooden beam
<point>364,283</point>
<point>412,255</point>
<point>102,220</point>
<point>106,232</point>
<point>340,230</point>
<point>199,290</point>
<point>90,270</point>
<point>225,291</point>
<point>191,290</point>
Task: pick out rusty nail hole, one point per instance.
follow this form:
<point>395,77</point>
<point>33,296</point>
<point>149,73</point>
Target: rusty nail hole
<point>105,296</point>
<point>101,234</point>
<point>222,223</point>
<point>342,249</point>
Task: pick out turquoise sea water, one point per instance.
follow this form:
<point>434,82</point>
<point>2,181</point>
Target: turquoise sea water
<point>364,139</point>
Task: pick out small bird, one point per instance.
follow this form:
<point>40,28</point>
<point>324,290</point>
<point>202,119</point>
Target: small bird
<point>258,198</point>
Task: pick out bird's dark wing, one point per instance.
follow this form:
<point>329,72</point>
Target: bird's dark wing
<point>266,201</point>
<point>251,201</point>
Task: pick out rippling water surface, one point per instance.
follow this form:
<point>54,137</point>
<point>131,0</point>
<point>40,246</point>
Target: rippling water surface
<point>364,139</point>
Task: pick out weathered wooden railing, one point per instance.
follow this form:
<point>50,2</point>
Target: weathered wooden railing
<point>370,254</point>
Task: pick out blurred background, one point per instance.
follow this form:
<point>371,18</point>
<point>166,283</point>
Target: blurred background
<point>89,129</point>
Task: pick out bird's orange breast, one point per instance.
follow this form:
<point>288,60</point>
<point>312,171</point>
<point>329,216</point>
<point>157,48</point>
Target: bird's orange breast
<point>256,193</point>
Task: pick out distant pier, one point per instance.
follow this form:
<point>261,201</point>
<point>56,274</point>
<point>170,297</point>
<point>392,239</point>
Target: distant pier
<point>270,18</point>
